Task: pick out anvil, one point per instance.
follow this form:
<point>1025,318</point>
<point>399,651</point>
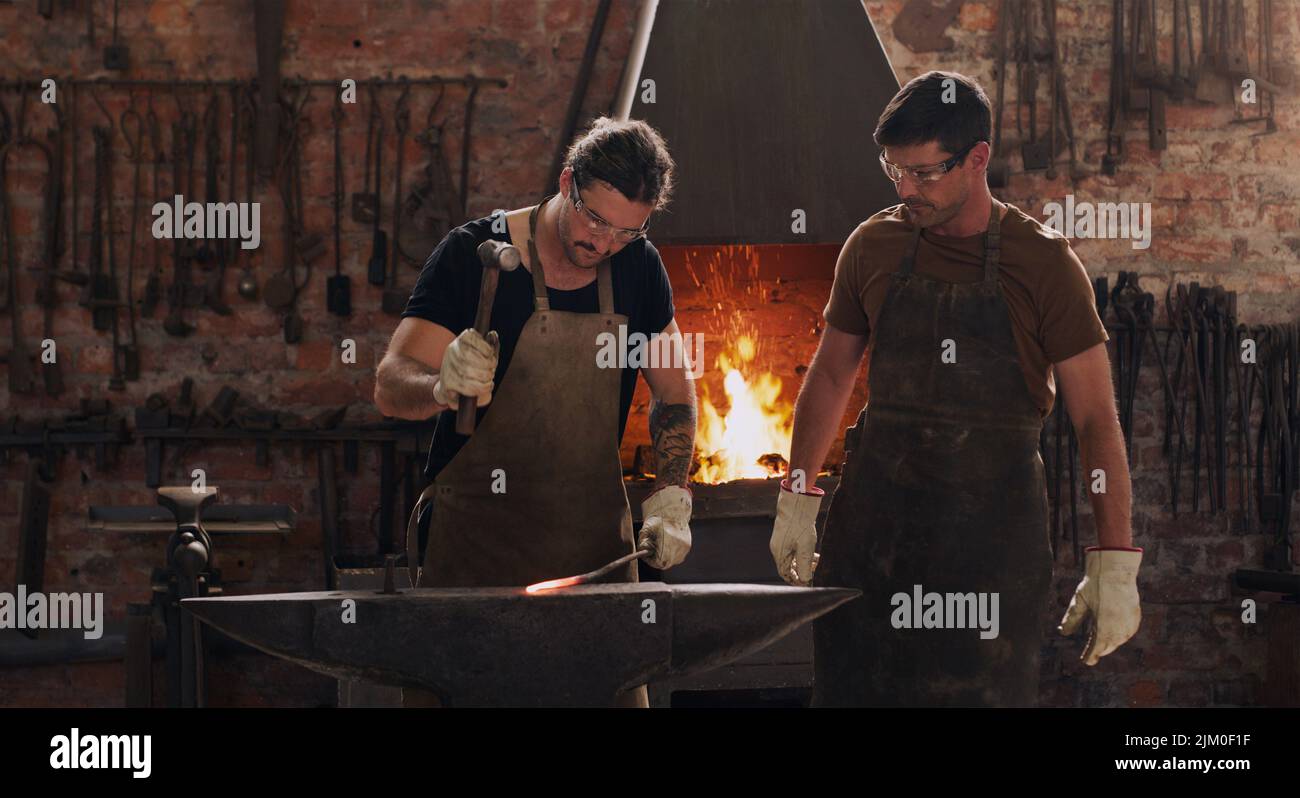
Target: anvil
<point>503,647</point>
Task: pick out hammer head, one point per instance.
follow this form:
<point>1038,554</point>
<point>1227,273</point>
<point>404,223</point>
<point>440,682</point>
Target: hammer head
<point>499,254</point>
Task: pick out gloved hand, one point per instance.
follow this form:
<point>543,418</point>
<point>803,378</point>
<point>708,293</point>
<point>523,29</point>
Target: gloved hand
<point>468,368</point>
<point>666,530</point>
<point>1109,594</point>
<point>794,535</point>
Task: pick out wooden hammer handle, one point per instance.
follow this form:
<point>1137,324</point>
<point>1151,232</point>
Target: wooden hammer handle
<point>467,409</point>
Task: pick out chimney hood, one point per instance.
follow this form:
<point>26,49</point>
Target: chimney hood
<point>768,107</point>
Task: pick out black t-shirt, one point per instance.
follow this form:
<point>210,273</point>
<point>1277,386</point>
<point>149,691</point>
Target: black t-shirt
<point>446,293</point>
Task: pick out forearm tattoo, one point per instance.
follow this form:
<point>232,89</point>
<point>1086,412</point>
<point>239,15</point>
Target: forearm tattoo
<point>672,428</point>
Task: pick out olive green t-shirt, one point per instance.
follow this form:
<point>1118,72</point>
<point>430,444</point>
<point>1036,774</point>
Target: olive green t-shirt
<point>1048,293</point>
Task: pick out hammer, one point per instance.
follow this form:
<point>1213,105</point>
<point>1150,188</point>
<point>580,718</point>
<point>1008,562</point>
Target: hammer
<point>495,256</point>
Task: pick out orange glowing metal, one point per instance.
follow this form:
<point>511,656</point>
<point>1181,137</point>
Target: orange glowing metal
<point>590,576</point>
<point>552,584</point>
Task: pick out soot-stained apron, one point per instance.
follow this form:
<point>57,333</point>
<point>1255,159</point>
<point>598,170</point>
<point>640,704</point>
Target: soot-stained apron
<point>942,487</point>
<point>551,435</point>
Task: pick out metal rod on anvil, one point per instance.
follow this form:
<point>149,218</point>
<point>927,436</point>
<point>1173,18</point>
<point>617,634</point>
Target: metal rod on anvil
<point>590,576</point>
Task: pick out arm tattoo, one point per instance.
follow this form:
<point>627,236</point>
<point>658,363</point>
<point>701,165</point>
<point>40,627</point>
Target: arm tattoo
<point>672,428</point>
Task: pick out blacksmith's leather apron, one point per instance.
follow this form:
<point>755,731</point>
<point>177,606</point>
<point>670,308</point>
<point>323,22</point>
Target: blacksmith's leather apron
<point>552,431</point>
<point>942,487</point>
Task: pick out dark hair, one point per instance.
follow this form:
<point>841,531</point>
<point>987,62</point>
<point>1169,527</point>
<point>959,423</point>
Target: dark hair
<point>630,155</point>
<point>918,114</point>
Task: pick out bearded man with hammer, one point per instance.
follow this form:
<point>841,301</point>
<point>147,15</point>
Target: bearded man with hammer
<point>536,491</point>
<point>975,312</point>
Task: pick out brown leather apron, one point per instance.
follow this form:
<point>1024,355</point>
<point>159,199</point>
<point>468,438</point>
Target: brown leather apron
<point>942,487</point>
<point>550,436</point>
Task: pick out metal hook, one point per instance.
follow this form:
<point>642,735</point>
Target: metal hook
<point>402,113</point>
<point>133,147</point>
<point>433,109</point>
<point>94,95</point>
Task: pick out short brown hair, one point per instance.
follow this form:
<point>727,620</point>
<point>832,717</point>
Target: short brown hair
<point>918,114</point>
<point>629,155</point>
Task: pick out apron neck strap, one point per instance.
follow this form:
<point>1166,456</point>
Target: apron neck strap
<point>992,246</point>
<point>541,301</point>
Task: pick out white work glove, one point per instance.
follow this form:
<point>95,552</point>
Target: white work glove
<point>794,535</point>
<point>666,530</point>
<point>468,368</point>
<point>1109,594</point>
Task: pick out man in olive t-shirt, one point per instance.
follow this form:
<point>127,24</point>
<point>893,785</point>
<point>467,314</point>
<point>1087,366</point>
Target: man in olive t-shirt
<point>1048,293</point>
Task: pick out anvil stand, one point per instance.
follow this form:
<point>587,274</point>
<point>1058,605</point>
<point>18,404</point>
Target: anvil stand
<point>189,553</point>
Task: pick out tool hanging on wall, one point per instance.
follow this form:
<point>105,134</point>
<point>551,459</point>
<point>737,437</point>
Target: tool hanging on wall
<point>364,202</point>
<point>268,19</point>
<point>153,285</point>
<point>394,298</point>
<point>178,293</point>
<point>377,272</point>
<point>431,207</point>
<point>283,289</point>
<point>22,377</point>
<point>47,294</point>
<point>338,288</point>
<point>97,294</point>
<point>116,56</point>
<point>248,288</point>
<point>999,167</point>
<point>209,254</point>
<point>130,352</point>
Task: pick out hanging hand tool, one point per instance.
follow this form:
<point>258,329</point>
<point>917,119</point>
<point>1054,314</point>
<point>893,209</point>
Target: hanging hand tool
<point>1115,104</point>
<point>103,143</point>
<point>1211,84</point>
<point>431,206</point>
<point>364,201</point>
<point>999,167</point>
<point>284,288</point>
<point>1182,83</point>
<point>338,289</point>
<point>116,56</point>
<point>153,286</point>
<point>130,352</point>
<point>22,378</point>
<point>1049,18</point>
<point>377,274</point>
<point>495,256</point>
<point>47,293</point>
<point>1036,152</point>
<point>394,298</point>
<point>247,280</point>
<point>100,292</point>
<point>1246,377</point>
<point>177,293</point>
<point>268,20</point>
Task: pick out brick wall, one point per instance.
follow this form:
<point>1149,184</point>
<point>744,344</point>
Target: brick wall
<point>1225,207</point>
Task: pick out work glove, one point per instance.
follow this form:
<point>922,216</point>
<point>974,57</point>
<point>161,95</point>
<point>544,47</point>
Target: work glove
<point>666,530</point>
<point>468,368</point>
<point>794,535</point>
<point>1109,594</point>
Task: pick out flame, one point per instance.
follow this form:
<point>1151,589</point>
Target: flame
<point>750,438</point>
